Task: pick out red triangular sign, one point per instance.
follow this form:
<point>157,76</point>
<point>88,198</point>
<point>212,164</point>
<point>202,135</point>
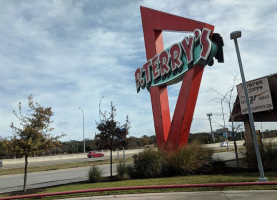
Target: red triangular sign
<point>171,135</point>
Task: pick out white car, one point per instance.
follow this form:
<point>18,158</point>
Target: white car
<point>224,144</point>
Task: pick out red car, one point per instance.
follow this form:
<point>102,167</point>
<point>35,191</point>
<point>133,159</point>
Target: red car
<point>95,154</point>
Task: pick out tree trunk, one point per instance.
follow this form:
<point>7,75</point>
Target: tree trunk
<point>236,151</point>
<point>25,173</point>
<point>234,136</point>
<point>123,154</point>
<point>111,161</point>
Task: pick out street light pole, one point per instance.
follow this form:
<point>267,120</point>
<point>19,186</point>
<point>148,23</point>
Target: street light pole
<point>212,133</point>
<point>234,35</point>
<point>83,130</point>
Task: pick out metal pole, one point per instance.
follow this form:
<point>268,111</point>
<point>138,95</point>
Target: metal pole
<point>83,130</point>
<point>262,178</point>
<point>222,114</point>
<point>212,133</point>
<point>262,133</point>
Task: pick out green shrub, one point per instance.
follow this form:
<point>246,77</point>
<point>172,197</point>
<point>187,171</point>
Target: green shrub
<point>124,171</point>
<point>189,160</point>
<point>148,163</point>
<point>217,166</point>
<point>192,159</point>
<point>268,156</point>
<point>94,174</point>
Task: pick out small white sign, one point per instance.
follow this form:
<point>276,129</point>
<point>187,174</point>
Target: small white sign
<point>259,96</point>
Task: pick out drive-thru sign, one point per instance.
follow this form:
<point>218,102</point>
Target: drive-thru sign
<point>169,66</point>
<point>259,96</point>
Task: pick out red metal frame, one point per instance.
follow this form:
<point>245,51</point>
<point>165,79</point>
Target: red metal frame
<point>171,135</point>
<point>220,185</point>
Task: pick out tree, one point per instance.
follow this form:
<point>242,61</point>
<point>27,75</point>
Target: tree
<point>227,99</point>
<point>33,136</point>
<point>111,134</point>
<point>204,138</point>
<point>134,142</point>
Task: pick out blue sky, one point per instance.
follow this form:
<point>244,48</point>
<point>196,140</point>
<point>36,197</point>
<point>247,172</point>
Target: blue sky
<point>69,54</point>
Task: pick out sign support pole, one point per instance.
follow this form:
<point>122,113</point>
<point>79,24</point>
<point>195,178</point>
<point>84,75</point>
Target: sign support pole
<point>262,178</point>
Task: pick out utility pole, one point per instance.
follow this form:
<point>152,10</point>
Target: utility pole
<point>222,113</point>
<point>212,133</point>
<point>83,130</point>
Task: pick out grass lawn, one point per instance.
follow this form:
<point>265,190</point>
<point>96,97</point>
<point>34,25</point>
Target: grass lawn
<point>195,179</point>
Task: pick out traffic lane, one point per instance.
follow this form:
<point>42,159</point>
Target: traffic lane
<point>63,161</point>
<point>10,183</point>
<point>50,161</point>
<point>40,177</point>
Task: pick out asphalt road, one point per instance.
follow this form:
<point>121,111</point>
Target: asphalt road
<point>84,158</point>
<point>9,183</point>
<point>14,182</point>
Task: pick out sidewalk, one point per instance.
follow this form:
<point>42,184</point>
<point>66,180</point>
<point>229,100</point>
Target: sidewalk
<point>212,195</point>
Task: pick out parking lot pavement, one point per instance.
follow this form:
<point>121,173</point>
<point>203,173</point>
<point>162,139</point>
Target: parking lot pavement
<point>211,195</point>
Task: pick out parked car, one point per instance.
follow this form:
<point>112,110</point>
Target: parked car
<point>92,154</point>
<point>1,164</point>
<point>224,144</point>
